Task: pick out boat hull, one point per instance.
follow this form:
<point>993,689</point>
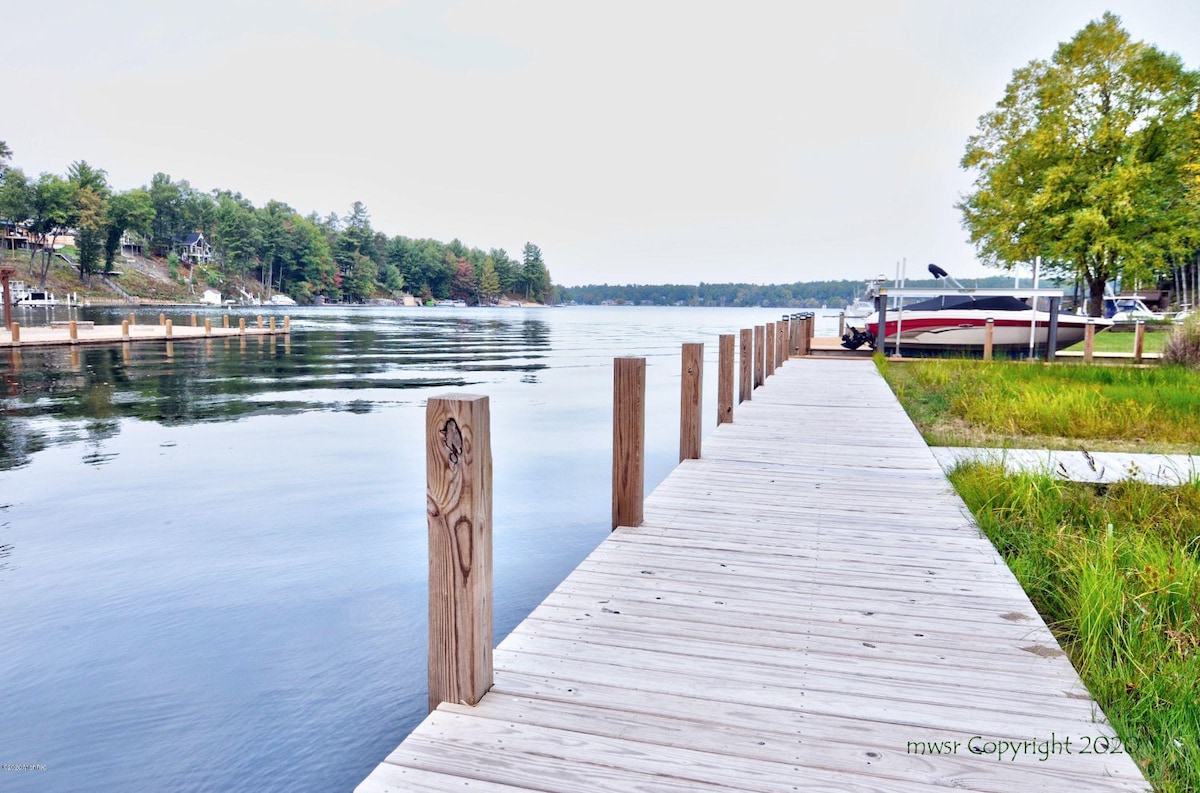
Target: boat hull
<point>965,332</point>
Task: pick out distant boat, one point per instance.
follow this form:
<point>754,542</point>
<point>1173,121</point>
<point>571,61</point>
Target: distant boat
<point>451,304</point>
<point>863,307</point>
<point>281,300</point>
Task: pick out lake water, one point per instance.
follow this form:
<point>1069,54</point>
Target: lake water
<point>212,557</point>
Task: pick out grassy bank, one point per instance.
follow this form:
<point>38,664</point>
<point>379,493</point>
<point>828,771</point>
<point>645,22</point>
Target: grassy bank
<point>1028,405</point>
<point>1115,572</point>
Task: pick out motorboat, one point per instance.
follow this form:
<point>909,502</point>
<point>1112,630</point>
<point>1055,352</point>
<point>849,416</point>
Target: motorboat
<point>956,323</point>
<point>281,300</point>
<point>863,307</point>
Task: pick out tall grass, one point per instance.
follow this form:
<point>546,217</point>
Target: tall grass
<point>1010,403</point>
<point>1115,572</point>
<point>1182,347</point>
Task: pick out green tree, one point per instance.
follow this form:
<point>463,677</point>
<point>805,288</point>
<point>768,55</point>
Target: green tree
<point>51,203</point>
<point>15,197</point>
<point>535,278</point>
<point>89,214</point>
<point>1081,162</point>
<point>236,236</point>
<point>489,280</point>
<point>129,211</point>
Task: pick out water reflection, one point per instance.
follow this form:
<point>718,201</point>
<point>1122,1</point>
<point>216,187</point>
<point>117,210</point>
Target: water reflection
<point>186,382</point>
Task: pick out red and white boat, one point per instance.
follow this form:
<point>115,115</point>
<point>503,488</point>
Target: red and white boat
<point>955,323</point>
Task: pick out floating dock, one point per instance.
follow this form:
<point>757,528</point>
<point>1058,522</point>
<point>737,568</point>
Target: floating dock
<point>84,332</point>
<point>808,606</point>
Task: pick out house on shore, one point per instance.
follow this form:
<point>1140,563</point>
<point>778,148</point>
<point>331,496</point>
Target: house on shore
<point>194,249</point>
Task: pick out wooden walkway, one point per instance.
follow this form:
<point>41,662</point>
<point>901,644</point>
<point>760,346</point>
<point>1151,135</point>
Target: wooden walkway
<point>807,607</point>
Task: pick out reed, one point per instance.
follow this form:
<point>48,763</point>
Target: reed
<point>1019,404</point>
<point>1115,572</point>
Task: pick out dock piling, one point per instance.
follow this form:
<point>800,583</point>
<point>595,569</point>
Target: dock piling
<point>725,378</point>
<point>690,397</point>
<point>760,361</point>
<point>746,382</point>
<point>1139,340</point>
<point>989,335</point>
<point>16,332</point>
<point>169,325</point>
<point>1089,341</point>
<point>768,350</point>
<point>629,441</point>
<point>459,508</point>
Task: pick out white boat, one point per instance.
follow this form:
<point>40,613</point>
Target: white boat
<point>956,324</point>
<point>451,304</point>
<point>281,300</point>
<point>863,307</point>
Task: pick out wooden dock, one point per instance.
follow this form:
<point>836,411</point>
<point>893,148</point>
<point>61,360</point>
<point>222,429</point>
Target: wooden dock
<point>65,333</point>
<point>808,606</point>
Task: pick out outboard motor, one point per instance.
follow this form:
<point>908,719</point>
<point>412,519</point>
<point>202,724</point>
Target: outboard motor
<point>857,338</point>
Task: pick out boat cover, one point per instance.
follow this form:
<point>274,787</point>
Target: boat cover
<point>969,303</point>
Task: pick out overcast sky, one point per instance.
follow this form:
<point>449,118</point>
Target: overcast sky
<point>649,141</point>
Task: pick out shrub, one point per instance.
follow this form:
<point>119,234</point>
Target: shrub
<point>1183,346</point>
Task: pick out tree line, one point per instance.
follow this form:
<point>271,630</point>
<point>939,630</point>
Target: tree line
<point>304,256</point>
<point>801,294</point>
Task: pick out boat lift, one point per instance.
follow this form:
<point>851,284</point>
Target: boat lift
<point>1055,296</point>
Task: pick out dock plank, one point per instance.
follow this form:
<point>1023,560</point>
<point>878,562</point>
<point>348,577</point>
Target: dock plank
<point>809,606</point>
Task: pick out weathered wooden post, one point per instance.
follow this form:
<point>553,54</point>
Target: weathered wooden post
<point>162,318</point>
<point>725,378</point>
<point>759,355</point>
<point>989,334</point>
<point>193,320</point>
<point>1089,341</point>
<point>780,344</point>
<point>124,329</point>
<point>458,475</point>
<point>690,397</point>
<point>242,325</point>
<point>841,324</point>
<point>225,319</point>
<point>769,350</point>
<point>287,324</point>
<point>169,325</point>
<point>1139,340</point>
<point>6,299</point>
<point>1052,330</point>
<point>271,325</point>
<point>73,331</point>
<point>207,326</point>
<point>746,381</point>
<point>132,318</point>
<point>629,441</point>
<point>260,322</point>
<point>16,332</point>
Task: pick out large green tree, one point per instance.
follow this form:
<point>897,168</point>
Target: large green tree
<point>1081,163</point>
<point>129,211</point>
<point>89,214</point>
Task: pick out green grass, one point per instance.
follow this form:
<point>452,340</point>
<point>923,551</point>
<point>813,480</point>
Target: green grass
<point>1115,571</point>
<point>1031,405</point>
<point>1122,341</point>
